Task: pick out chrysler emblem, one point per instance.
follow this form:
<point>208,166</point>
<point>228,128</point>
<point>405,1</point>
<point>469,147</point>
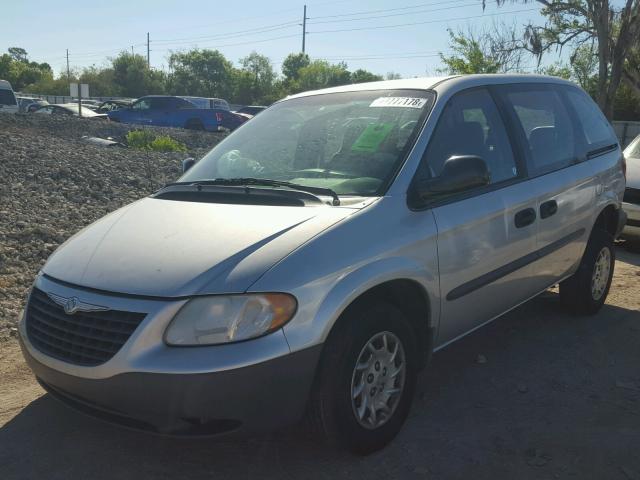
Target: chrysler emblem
<point>72,305</point>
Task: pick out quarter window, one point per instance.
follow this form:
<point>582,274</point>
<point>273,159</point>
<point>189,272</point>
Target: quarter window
<point>471,125</point>
<point>547,127</point>
<point>596,128</point>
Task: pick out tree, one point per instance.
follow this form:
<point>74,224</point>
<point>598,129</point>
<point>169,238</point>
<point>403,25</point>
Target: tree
<point>392,76</point>
<point>612,31</point>
<point>322,74</point>
<point>18,54</point>
<point>485,52</point>
<point>19,71</point>
<point>133,78</point>
<point>256,78</point>
<point>205,73</point>
<point>362,76</point>
<point>292,64</point>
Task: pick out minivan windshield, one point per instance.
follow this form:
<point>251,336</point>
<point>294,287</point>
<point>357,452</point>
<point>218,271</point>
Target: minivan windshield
<point>351,142</point>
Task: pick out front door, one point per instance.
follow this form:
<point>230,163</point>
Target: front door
<point>485,236</point>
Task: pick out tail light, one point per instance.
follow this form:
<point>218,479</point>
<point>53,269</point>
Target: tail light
<point>219,117</point>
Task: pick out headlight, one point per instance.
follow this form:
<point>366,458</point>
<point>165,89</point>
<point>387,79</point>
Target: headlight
<point>231,318</point>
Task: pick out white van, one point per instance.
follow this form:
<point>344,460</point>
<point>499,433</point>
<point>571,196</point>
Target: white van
<point>8,103</point>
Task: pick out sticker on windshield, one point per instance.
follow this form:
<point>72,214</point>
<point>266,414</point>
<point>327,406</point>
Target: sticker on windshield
<point>371,138</point>
<point>407,102</point>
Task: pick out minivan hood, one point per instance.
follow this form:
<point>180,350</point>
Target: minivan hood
<point>170,248</point>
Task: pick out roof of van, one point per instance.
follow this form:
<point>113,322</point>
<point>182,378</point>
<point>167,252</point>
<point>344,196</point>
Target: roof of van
<point>428,83</point>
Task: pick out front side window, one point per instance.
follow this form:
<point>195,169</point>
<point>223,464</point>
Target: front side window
<point>470,124</point>
<point>144,104</point>
<point>547,126</point>
<point>351,142</point>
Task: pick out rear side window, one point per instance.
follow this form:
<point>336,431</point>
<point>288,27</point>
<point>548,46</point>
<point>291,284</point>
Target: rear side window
<point>470,124</point>
<point>549,135</point>
<point>595,127</point>
<point>7,97</point>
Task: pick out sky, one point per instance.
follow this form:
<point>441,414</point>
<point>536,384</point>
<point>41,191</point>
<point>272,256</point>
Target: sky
<point>403,36</point>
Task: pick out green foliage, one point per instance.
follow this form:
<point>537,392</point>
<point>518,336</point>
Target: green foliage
<point>197,72</point>
<point>321,74</point>
<point>19,71</point>
<point>292,64</point>
<point>201,73</point>
<point>164,143</point>
<point>362,76</point>
<point>468,56</point>
<point>146,140</point>
<point>132,77</point>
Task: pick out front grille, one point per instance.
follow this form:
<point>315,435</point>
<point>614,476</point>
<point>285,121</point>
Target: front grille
<point>632,195</point>
<point>83,338</point>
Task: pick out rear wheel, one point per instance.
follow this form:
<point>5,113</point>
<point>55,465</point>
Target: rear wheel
<point>586,291</point>
<point>366,379</point>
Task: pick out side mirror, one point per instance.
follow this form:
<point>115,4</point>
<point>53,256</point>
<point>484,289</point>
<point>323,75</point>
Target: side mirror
<point>459,173</point>
<point>187,163</point>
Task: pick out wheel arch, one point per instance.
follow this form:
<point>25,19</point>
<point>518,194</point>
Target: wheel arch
<point>608,219</point>
<point>411,298</point>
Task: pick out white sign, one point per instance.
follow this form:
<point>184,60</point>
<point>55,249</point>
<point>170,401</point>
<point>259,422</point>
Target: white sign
<point>409,102</point>
<point>84,90</point>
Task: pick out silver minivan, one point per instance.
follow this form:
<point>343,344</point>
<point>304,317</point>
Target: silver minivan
<point>311,262</point>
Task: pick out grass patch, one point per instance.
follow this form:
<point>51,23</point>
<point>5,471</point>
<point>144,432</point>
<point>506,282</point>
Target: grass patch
<point>145,140</point>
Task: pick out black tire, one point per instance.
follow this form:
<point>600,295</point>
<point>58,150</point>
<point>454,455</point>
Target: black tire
<point>331,413</point>
<point>194,124</point>
<point>576,293</point>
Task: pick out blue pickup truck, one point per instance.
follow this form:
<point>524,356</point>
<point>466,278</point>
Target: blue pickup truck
<point>168,111</point>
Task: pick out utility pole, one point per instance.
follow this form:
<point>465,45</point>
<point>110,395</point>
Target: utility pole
<point>68,71</point>
<point>132,50</point>
<point>304,27</point>
<point>148,56</point>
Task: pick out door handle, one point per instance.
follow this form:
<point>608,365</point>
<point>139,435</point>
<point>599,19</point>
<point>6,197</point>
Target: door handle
<point>548,208</point>
<point>525,217</point>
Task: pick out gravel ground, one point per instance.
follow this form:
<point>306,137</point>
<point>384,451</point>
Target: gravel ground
<point>538,394</point>
<point>52,184</point>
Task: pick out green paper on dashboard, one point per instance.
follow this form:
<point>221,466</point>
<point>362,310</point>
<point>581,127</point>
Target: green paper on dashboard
<point>370,139</point>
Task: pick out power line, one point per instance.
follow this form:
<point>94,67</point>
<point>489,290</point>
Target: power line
<point>415,12</point>
<point>439,20</point>
<point>367,12</point>
<point>268,28</point>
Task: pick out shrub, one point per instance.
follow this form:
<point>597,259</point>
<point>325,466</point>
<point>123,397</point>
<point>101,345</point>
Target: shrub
<point>146,140</point>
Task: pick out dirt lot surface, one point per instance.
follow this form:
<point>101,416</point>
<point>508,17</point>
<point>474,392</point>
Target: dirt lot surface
<point>557,397</point>
<point>537,394</point>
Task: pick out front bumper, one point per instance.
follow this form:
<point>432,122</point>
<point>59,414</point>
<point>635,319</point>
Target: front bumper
<point>247,386</point>
<point>260,397</point>
<point>631,229</point>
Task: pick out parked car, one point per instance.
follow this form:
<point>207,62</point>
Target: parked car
<point>29,104</point>
<point>252,110</point>
<point>111,105</point>
<point>167,111</point>
<point>8,103</point>
<point>631,201</point>
<point>69,109</point>
<point>315,269</point>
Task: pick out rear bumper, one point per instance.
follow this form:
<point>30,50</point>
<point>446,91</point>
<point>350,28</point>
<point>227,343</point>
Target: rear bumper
<point>632,225</point>
<point>263,396</point>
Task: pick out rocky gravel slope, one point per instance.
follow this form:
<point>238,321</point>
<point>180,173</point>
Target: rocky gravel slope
<point>52,184</point>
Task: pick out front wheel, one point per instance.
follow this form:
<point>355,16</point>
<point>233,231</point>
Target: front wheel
<point>366,380</point>
<point>586,291</point>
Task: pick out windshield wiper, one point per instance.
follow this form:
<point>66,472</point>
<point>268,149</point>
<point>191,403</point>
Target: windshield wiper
<point>243,181</point>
